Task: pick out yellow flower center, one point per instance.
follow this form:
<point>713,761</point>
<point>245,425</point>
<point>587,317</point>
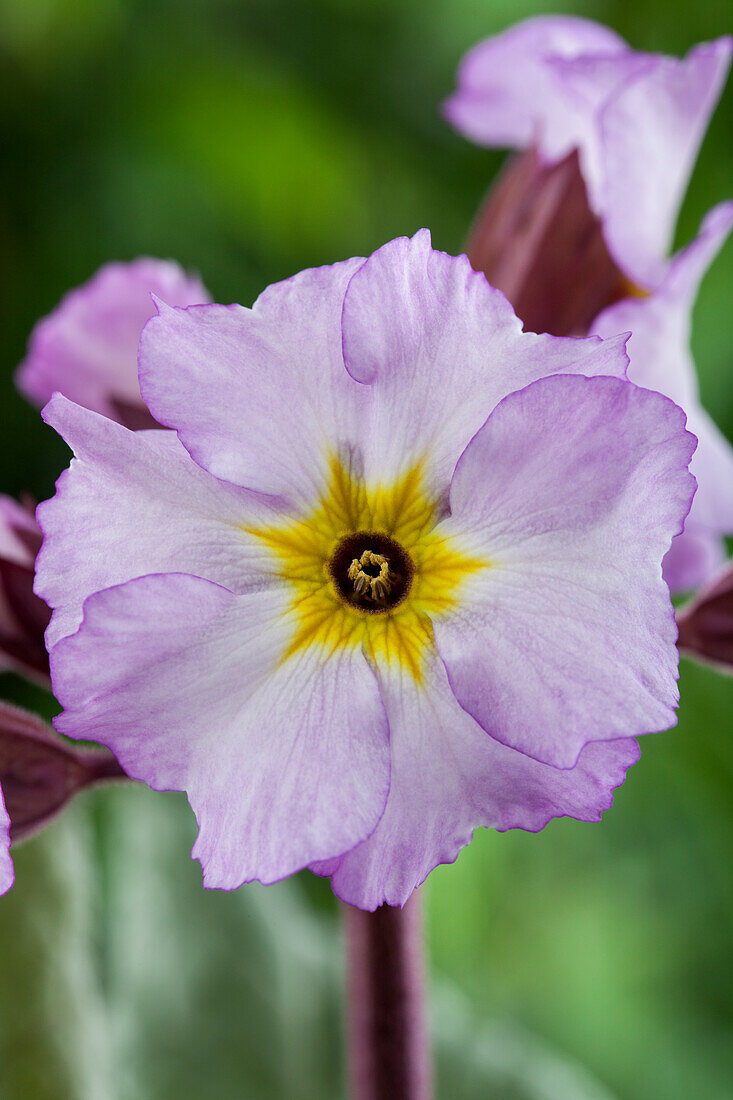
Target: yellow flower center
<point>368,568</point>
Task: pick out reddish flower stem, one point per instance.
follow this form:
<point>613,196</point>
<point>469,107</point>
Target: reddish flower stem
<point>389,1056</point>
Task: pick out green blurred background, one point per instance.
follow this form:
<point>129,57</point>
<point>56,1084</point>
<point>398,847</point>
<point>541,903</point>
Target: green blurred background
<point>249,139</point>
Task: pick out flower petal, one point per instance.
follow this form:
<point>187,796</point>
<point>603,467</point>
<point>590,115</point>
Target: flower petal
<point>258,397</point>
<point>133,503</point>
<point>439,348</point>
<point>509,95</point>
<point>572,491</point>
<point>650,132</point>
<point>87,347</point>
<point>660,322</point>
<point>19,535</point>
<point>7,875</point>
<point>693,556</point>
<point>284,761</point>
<point>448,777</point>
<point>659,349</point>
<point>429,349</point>
<point>697,553</point>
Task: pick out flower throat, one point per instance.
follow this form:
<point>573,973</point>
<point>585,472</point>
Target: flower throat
<point>371,571</point>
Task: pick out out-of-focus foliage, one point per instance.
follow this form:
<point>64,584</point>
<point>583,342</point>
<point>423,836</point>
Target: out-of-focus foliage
<point>249,138</point>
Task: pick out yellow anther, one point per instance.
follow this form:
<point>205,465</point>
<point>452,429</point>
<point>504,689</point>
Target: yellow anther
<point>370,576</point>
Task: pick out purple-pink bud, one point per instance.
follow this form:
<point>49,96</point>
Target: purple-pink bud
<point>39,772</point>
<point>706,623</point>
<point>23,616</point>
<point>537,240</point>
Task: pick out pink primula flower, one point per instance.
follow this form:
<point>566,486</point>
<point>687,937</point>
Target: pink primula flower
<point>559,83</point>
<point>87,350</point>
<point>396,573</point>
<point>87,347</point>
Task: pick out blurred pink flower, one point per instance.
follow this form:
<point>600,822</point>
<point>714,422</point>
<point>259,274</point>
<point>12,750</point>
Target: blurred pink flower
<point>577,232</point>
<point>87,347</point>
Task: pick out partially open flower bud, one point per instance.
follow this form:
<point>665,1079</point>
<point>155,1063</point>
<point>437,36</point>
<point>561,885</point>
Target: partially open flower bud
<point>86,348</point>
<point>39,772</point>
<point>578,230</point>
<point>537,240</point>
<point>706,623</point>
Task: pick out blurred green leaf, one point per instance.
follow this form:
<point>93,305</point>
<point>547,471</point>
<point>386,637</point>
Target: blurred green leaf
<point>54,1026</point>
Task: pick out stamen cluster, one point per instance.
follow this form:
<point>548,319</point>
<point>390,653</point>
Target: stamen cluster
<point>371,577</point>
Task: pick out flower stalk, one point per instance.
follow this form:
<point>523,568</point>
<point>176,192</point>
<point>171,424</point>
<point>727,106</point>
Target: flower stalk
<point>387,1030</point>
